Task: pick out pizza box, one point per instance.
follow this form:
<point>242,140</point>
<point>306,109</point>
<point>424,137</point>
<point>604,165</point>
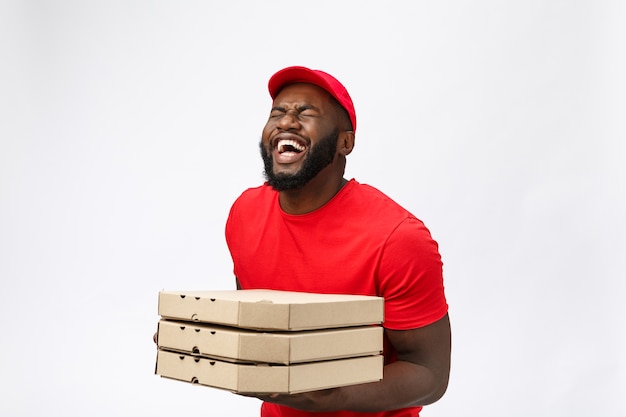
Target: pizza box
<point>263,378</point>
<point>271,309</point>
<point>272,347</point>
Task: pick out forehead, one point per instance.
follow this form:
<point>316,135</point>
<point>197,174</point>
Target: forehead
<point>302,93</point>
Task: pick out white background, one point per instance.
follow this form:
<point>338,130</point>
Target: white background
<point>128,127</point>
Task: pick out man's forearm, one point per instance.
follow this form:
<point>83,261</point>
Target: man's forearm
<point>404,384</point>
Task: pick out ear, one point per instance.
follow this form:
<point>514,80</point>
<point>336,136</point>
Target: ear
<point>345,144</point>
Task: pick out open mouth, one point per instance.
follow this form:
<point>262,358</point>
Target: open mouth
<point>289,145</point>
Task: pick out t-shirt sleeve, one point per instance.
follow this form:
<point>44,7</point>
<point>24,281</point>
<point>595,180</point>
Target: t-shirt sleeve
<point>411,278</point>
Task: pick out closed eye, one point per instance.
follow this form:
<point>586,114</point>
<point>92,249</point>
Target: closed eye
<point>304,110</point>
<point>277,112</point>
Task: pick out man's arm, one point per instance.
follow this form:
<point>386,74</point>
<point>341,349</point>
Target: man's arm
<point>418,377</point>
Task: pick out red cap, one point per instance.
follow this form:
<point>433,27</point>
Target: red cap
<point>292,75</point>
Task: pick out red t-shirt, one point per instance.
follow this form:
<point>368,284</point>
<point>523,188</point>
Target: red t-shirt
<point>360,242</point>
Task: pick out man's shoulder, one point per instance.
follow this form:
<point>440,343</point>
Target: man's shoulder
<point>372,197</point>
<point>252,206</point>
<point>260,192</point>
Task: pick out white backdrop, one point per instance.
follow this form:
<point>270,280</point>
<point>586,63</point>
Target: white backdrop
<point>128,127</point>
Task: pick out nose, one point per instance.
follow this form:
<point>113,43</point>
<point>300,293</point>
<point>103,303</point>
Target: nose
<point>289,120</point>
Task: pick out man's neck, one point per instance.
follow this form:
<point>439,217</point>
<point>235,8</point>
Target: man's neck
<point>310,197</point>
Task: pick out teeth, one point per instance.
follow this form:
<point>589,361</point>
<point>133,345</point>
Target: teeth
<point>283,143</point>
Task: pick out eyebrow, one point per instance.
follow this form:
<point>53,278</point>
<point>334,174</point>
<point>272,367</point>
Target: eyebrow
<point>306,107</point>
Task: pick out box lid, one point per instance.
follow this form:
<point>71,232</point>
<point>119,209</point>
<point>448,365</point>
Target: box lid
<point>271,309</point>
<point>276,347</point>
<point>285,379</point>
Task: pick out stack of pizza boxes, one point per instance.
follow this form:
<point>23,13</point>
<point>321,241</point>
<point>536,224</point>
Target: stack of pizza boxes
<point>266,341</point>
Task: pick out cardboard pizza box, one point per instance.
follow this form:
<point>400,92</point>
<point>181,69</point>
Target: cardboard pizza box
<point>271,310</point>
<point>262,378</point>
<point>272,347</point>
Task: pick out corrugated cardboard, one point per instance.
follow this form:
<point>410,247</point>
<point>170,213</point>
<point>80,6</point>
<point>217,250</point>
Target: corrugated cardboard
<point>278,347</point>
<point>271,310</point>
<point>245,378</point>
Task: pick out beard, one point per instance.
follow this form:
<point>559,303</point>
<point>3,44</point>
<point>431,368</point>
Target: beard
<point>318,157</point>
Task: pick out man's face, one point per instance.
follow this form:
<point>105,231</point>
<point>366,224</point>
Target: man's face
<point>300,137</point>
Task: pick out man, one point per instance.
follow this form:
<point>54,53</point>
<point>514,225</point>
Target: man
<point>309,229</point>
